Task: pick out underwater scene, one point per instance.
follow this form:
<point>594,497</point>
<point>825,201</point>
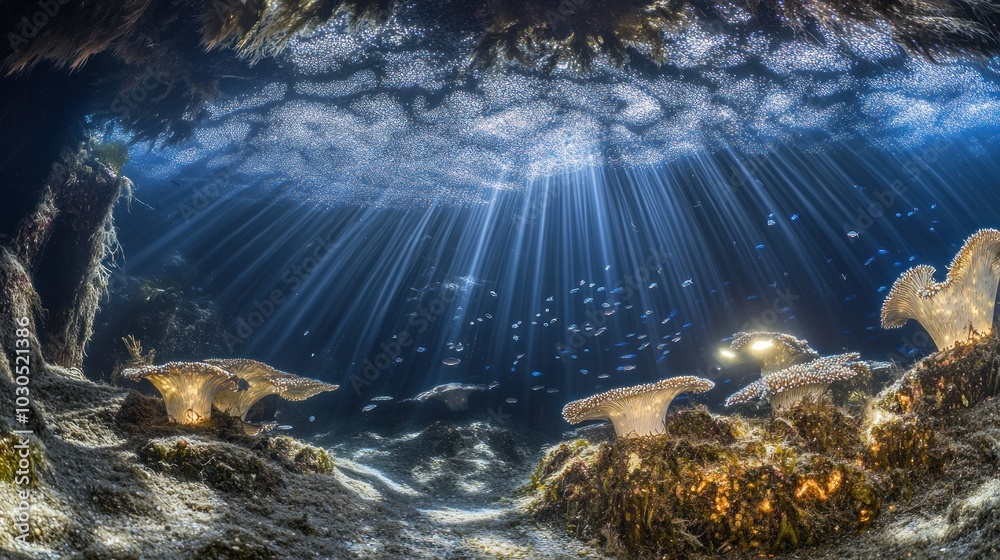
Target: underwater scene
<point>513,279</point>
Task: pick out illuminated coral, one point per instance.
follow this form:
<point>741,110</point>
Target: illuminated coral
<point>785,388</point>
<point>635,411</point>
<point>959,309</point>
<point>262,380</point>
<point>775,351</point>
<point>187,388</point>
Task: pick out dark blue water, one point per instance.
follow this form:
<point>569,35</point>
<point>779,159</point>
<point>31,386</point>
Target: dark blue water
<point>681,254</point>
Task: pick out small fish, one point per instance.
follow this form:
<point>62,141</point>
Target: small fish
<point>652,285</point>
<point>538,387</point>
<point>771,222</point>
<point>600,331</point>
<point>494,385</point>
<point>381,398</point>
<point>451,361</point>
<point>589,300</point>
<point>369,407</point>
<point>627,357</point>
<point>536,374</point>
<point>284,427</point>
<point>883,252</point>
<point>628,367</point>
<point>511,400</point>
<point>761,246</point>
<point>312,418</point>
<point>616,290</point>
<point>869,261</point>
<point>794,217</point>
<point>574,290</point>
<point>687,283</point>
<point>551,390</point>
<point>853,234</point>
<point>550,298</point>
<point>492,293</point>
<point>421,349</point>
<point>607,267</point>
<point>603,376</point>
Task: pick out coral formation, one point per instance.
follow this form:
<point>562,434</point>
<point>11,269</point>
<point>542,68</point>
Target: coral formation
<point>262,380</point>
<point>187,388</point>
<point>775,351</point>
<point>956,310</point>
<point>785,388</point>
<point>809,476</point>
<point>454,395</point>
<point>635,411</point>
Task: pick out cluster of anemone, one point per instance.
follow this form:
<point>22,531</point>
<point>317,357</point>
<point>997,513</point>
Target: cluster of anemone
<point>774,351</point>
<point>959,309</point>
<point>635,411</point>
<point>191,389</point>
<point>783,389</point>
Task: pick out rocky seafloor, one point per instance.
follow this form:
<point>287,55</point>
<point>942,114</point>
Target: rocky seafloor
<point>911,472</point>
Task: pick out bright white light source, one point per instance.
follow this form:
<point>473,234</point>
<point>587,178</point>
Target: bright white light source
<point>761,345</point>
<point>727,354</point>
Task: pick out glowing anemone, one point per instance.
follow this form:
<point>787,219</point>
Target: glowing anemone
<point>188,388</point>
<point>774,351</point>
<point>454,395</point>
<point>635,411</point>
<point>959,309</point>
<point>263,380</point>
<point>785,388</point>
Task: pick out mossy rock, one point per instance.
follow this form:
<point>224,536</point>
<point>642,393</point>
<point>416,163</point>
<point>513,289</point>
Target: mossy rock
<point>10,459</point>
<point>732,486</point>
<point>955,379</point>
<point>222,466</point>
<point>820,427</point>
<point>294,456</point>
<point>140,411</point>
<point>698,423</point>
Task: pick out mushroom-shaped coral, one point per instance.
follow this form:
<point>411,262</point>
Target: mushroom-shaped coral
<point>959,309</point>
<point>188,388</point>
<point>635,411</point>
<point>775,351</point>
<point>791,385</point>
<point>263,380</point>
<point>454,395</point>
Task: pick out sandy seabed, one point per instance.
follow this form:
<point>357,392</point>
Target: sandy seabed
<point>433,490</point>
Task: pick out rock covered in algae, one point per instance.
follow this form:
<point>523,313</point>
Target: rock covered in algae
<point>812,476</point>
<point>713,483</point>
